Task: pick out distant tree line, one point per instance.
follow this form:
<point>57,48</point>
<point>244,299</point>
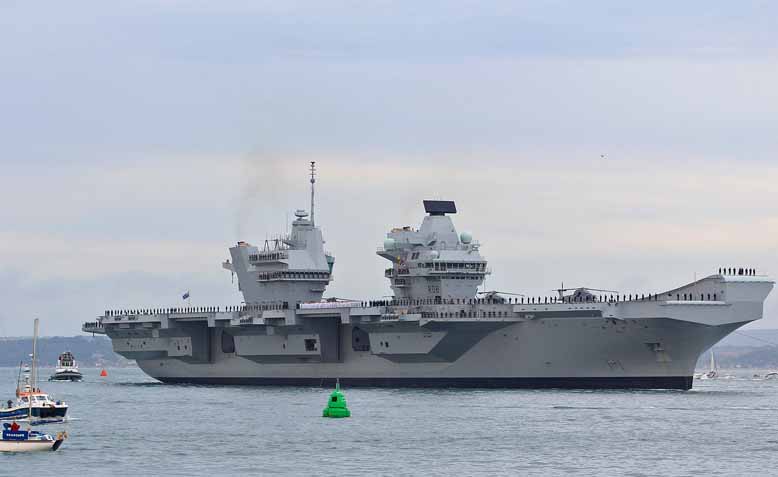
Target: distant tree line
<point>89,351</point>
<point>728,357</point>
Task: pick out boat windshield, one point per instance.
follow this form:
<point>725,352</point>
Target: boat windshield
<point>42,398</point>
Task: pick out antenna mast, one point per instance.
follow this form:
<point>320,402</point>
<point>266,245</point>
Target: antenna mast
<point>313,181</point>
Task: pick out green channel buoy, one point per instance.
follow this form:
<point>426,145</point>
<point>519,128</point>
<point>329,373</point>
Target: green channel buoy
<point>336,406</point>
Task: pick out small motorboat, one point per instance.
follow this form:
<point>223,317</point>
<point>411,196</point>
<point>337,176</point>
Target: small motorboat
<point>772,375</point>
<point>31,400</point>
<point>16,440</point>
<point>43,407</point>
<point>67,369</point>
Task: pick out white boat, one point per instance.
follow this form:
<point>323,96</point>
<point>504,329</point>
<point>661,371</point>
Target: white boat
<point>43,407</point>
<point>30,400</point>
<point>772,375</point>
<point>14,439</point>
<point>67,369</point>
<point>714,371</point>
<point>17,440</point>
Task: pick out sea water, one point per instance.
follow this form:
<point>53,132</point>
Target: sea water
<point>127,424</point>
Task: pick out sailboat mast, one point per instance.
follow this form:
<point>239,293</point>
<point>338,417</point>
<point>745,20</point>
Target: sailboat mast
<point>19,379</point>
<point>34,369</point>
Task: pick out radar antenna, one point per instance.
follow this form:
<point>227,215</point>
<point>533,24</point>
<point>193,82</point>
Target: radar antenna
<point>313,181</point>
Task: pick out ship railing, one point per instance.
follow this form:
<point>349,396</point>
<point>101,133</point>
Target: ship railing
<point>334,304</point>
<point>92,327</point>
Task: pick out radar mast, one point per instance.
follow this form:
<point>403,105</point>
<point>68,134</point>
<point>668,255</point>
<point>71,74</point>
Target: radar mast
<point>313,181</point>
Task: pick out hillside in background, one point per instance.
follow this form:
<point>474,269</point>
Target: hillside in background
<point>751,338</point>
<point>756,349</point>
<point>88,350</point>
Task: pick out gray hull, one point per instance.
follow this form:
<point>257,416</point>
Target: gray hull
<point>561,353</point>
<point>641,343</point>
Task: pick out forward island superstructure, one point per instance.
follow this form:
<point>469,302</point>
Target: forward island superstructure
<point>437,330</point>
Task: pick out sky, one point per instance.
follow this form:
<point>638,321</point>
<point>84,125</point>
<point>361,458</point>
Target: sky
<point>605,144</point>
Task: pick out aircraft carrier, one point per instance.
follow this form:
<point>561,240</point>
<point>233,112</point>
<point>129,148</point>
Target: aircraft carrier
<point>437,330</point>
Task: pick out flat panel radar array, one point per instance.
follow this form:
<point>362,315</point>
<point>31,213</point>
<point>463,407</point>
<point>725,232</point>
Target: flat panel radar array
<point>440,207</point>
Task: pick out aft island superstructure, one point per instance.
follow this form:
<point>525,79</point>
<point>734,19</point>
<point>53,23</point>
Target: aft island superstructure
<point>437,330</point>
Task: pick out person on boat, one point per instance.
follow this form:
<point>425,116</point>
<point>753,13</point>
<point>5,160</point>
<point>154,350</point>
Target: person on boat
<point>14,427</point>
<point>9,404</point>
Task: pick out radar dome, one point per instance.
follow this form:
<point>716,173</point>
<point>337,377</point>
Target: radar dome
<point>389,244</point>
<point>300,213</point>
<point>434,254</point>
<point>465,237</point>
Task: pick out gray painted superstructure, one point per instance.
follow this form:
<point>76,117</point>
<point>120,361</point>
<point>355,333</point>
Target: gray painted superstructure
<point>436,331</point>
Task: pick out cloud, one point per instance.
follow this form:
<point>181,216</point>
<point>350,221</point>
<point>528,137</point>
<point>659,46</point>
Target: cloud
<point>630,224</point>
<point>620,146</point>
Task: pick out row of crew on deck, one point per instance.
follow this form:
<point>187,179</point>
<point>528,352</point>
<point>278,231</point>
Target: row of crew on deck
<point>541,300</point>
<point>512,301</point>
<point>157,311</point>
<point>738,271</point>
<point>199,309</point>
<point>428,301</point>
